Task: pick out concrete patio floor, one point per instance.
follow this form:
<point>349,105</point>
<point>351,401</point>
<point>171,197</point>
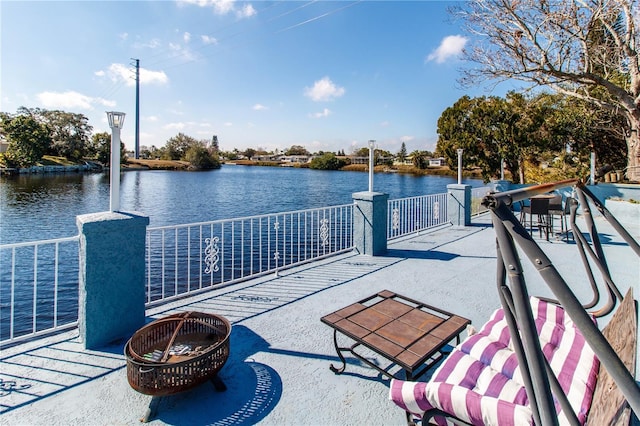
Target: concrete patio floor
<point>278,371</point>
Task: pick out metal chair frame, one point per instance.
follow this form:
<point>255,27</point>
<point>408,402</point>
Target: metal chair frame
<point>538,207</point>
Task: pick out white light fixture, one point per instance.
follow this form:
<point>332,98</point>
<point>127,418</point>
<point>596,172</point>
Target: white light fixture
<point>372,145</point>
<point>116,121</point>
<point>460,166</point>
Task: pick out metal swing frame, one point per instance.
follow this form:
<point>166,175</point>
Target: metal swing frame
<point>539,380</point>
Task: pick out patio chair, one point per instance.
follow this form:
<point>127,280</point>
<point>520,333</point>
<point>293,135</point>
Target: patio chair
<point>563,211</point>
<point>539,208</point>
<point>537,361</point>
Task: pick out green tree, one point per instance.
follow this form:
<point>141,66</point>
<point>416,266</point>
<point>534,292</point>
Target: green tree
<point>28,140</point>
<point>101,147</point>
<point>296,150</point>
<point>587,50</point>
<point>491,130</point>
<point>402,154</point>
<point>201,158</point>
<point>362,152</point>
<point>70,132</point>
<point>327,161</point>
<point>420,159</point>
<point>176,147</point>
<point>249,153</point>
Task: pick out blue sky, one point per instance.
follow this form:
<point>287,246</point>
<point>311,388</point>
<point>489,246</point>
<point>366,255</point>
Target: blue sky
<point>327,75</point>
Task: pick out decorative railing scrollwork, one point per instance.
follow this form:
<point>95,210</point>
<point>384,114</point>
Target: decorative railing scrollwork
<point>212,257</point>
<point>324,232</point>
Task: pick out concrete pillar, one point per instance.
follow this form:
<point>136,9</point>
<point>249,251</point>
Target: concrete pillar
<point>370,223</point>
<point>459,204</point>
<point>112,273</point>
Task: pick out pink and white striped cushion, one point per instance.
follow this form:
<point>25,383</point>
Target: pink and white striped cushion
<point>480,381</point>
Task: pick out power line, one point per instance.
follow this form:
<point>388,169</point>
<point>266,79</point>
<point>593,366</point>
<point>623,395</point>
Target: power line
<point>299,24</point>
<point>324,15</point>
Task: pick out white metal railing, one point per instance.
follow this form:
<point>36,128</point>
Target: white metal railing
<point>37,295</point>
<point>39,280</point>
<point>414,214</point>
<point>477,194</point>
<point>185,259</point>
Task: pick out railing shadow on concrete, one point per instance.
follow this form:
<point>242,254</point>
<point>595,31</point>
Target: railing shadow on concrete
<point>44,368</point>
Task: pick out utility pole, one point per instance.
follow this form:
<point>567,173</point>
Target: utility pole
<point>137,146</point>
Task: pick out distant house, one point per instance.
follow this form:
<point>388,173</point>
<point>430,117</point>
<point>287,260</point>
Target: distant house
<point>437,162</point>
<point>359,159</point>
<point>265,157</point>
<point>300,159</point>
<point>408,161</point>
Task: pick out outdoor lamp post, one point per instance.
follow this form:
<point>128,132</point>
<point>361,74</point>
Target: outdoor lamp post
<point>116,121</point>
<point>460,166</point>
<point>372,144</point>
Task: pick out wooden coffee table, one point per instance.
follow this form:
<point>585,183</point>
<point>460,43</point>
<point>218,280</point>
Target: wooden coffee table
<point>406,332</point>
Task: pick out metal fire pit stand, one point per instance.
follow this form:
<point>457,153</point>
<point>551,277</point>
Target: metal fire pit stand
<point>175,354</point>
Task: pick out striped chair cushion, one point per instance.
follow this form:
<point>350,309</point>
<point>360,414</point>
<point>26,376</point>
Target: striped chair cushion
<point>480,381</point>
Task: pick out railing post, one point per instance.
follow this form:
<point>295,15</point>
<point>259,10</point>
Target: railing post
<point>459,204</point>
<point>370,223</point>
<point>112,269</point>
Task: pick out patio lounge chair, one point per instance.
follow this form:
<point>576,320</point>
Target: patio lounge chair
<point>537,361</point>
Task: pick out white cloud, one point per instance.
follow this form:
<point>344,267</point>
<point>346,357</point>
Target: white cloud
<point>154,43</point>
<point>71,100</point>
<point>325,113</point>
<point>385,124</point>
<point>121,72</point>
<point>223,7</point>
<point>186,37</point>
<point>183,52</point>
<point>123,36</point>
<point>152,118</point>
<point>228,124</point>
<point>100,73</point>
<point>247,11</point>
<point>208,39</point>
<point>259,107</point>
<point>175,126</point>
<point>153,77</point>
<point>450,46</point>
<point>324,90</point>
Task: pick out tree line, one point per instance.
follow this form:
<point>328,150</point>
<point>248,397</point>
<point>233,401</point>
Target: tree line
<point>33,133</point>
<point>542,130</point>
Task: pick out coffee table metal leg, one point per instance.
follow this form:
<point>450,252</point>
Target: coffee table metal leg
<point>344,362</point>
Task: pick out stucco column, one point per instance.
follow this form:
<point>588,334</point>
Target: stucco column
<point>459,204</point>
<point>370,223</point>
<point>112,272</point>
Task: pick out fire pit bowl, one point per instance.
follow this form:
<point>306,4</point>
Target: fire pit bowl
<point>176,353</point>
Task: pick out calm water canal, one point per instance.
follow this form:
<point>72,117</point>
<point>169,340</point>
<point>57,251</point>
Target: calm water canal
<point>37,207</point>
